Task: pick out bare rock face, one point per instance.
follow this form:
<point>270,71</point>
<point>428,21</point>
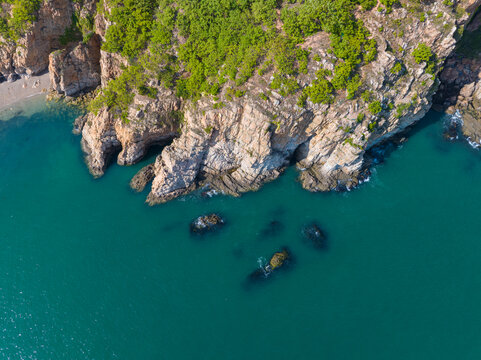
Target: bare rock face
<point>468,107</point>
<point>99,141</point>
<point>31,53</point>
<point>460,89</point>
<point>250,140</point>
<point>471,115</point>
<point>151,122</point>
<point>110,64</point>
<point>76,70</point>
<point>142,178</point>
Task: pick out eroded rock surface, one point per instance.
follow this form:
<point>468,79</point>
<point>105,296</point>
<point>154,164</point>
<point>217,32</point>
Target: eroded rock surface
<point>76,70</point>
<point>460,90</point>
<point>30,54</point>
<point>143,178</point>
<point>206,223</point>
<point>250,141</point>
<point>279,260</point>
<point>152,122</point>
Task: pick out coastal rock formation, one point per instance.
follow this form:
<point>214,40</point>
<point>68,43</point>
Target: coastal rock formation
<point>250,141</point>
<point>142,178</point>
<point>152,122</point>
<point>277,261</point>
<point>76,70</point>
<point>470,110</point>
<point>206,223</point>
<point>460,90</point>
<point>237,143</point>
<point>30,54</point>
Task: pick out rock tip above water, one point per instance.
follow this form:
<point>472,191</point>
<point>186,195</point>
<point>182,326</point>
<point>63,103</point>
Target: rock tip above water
<point>206,223</point>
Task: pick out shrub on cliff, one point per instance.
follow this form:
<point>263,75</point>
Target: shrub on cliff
<point>423,53</point>
<point>375,107</point>
<point>23,15</point>
<point>207,43</point>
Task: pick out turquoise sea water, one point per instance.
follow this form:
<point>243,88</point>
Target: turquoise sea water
<point>87,271</point>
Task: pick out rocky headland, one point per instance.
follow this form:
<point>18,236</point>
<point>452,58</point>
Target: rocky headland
<point>238,140</point>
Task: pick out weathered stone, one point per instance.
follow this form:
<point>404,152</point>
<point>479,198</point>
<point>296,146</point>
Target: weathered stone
<point>250,141</point>
<point>30,54</point>
<point>277,261</point>
<point>206,223</point>
<point>79,124</point>
<point>142,178</point>
<point>105,133</point>
<point>244,149</point>
<point>76,70</point>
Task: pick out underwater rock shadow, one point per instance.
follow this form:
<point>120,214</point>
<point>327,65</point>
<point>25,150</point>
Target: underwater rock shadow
<point>273,229</point>
<point>315,237</point>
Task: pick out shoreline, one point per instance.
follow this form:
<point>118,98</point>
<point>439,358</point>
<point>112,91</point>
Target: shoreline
<point>12,94</point>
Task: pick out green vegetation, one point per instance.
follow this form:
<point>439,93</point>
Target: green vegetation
<point>372,126</point>
<point>23,15</point>
<point>424,54</point>
<point>389,4</point>
<point>350,141</point>
<point>397,68</point>
<point>201,46</point>
<point>375,107</point>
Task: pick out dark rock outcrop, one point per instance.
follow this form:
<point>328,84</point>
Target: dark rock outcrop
<point>278,260</point>
<point>142,178</point>
<point>314,236</point>
<point>206,223</point>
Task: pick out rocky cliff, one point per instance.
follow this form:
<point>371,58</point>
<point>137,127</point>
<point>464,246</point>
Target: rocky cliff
<point>237,143</point>
<point>460,90</point>
<point>30,53</point>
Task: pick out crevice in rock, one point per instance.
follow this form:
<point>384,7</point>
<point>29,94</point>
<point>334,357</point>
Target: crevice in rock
<point>461,68</point>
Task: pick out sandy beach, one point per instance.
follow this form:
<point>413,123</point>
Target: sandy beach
<point>12,94</point>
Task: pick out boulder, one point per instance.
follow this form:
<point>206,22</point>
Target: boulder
<point>277,261</point>
<point>142,178</point>
<point>206,223</point>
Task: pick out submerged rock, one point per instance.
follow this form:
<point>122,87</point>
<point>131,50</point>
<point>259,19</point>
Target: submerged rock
<point>277,261</point>
<point>274,228</point>
<point>79,124</point>
<point>314,236</point>
<point>142,178</point>
<point>206,223</point>
<point>452,130</point>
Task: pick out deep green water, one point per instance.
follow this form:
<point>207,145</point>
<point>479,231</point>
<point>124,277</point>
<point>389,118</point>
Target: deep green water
<point>87,271</point>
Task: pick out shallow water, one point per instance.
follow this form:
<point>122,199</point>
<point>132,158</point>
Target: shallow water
<point>87,271</point>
